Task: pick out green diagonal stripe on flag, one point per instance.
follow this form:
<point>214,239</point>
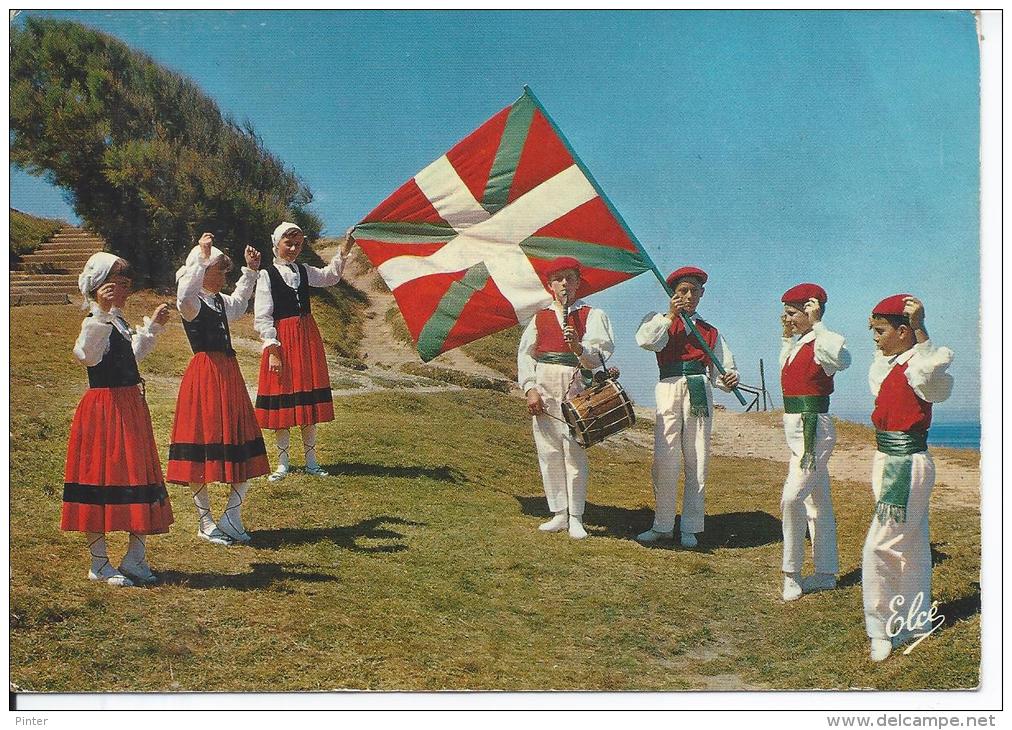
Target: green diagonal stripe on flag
<point>500,179</point>
<point>397,232</point>
<point>459,293</point>
<point>591,255</point>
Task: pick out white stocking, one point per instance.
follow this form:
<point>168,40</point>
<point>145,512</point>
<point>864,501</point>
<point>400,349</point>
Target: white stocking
<point>202,501</point>
<point>99,552</point>
<point>231,516</point>
<point>284,437</point>
<point>309,444</point>
<point>135,553</point>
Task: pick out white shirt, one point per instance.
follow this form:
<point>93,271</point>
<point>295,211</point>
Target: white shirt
<point>263,306</point>
<point>652,335</point>
<point>830,349</point>
<point>598,342</point>
<point>93,342</point>
<point>190,292</point>
<point>926,371</point>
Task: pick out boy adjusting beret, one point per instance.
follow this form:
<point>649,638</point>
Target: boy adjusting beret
<point>891,305</point>
<point>804,292</point>
<point>685,271</point>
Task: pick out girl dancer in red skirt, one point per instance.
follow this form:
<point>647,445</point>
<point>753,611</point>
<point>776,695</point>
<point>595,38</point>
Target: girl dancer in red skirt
<point>294,387</point>
<point>113,479</point>
<point>215,437</point>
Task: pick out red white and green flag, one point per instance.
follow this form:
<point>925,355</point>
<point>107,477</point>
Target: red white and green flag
<point>461,244</point>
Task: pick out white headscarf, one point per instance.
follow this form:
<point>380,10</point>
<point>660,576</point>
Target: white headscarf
<point>279,232</point>
<point>95,272</point>
<point>194,257</point>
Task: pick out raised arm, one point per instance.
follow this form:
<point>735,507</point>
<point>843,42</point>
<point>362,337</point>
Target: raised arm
<point>927,372</point>
<point>652,334</point>
<point>237,302</point>
<point>143,340</point>
<point>830,349</point>
<point>331,273</point>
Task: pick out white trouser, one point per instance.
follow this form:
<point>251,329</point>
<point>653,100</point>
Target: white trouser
<point>806,501</point>
<point>897,555</point>
<point>563,462</point>
<point>680,439</point>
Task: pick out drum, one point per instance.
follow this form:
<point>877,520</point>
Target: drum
<point>601,411</point>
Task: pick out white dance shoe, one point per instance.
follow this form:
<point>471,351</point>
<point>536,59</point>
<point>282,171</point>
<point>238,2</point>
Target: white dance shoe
<point>557,524</point>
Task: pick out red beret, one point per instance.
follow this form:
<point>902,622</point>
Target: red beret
<point>891,305</point>
<point>560,264</point>
<point>804,292</point>
<point>685,271</point>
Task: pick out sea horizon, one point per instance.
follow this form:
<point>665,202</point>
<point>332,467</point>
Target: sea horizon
<point>957,433</point>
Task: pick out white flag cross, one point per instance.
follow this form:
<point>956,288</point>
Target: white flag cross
<point>492,239</point>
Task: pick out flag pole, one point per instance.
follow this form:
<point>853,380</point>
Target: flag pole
<point>689,326</point>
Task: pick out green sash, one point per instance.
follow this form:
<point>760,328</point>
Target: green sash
<point>809,406</point>
<point>695,379</point>
<point>568,359</point>
<point>897,472</point>
<point>559,358</point>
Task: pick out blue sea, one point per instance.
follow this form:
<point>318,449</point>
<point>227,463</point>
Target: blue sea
<point>958,434</point>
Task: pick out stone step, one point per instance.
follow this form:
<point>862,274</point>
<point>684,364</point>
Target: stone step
<point>17,300</point>
<point>21,275</point>
<point>43,285</point>
<point>56,258</point>
<point>65,243</point>
<point>82,241</point>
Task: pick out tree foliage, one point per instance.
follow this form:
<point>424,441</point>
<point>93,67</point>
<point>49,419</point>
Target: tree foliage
<point>148,160</point>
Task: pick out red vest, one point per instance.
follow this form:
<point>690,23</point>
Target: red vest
<point>682,346</point>
<point>804,376</point>
<point>550,338</point>
<point>897,406</point>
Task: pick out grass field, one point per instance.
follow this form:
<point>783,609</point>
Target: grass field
<point>418,564</point>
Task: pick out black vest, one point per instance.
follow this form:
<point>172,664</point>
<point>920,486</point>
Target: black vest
<point>208,331</point>
<point>289,302</point>
<point>118,367</point>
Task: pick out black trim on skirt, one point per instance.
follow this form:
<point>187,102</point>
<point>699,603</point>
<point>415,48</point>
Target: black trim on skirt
<point>102,495</point>
<point>231,453</point>
<point>293,400</point>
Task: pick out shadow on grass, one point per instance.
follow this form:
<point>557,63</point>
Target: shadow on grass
<point>343,537</point>
<point>728,530</point>
<point>853,577</point>
<point>960,609</point>
<point>261,575</point>
<point>439,473</point>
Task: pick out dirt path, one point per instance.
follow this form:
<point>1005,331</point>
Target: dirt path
<point>380,347</point>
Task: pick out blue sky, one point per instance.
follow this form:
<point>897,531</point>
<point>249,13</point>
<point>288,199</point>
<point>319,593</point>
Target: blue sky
<point>768,148</point>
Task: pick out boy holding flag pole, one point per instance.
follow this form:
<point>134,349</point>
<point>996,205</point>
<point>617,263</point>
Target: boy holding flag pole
<point>687,355</point>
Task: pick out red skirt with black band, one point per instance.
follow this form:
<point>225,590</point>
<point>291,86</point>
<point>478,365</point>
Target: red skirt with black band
<point>300,394</point>
<point>215,437</point>
<point>113,479</point>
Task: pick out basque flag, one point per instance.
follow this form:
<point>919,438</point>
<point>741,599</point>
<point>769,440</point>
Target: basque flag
<point>464,243</point>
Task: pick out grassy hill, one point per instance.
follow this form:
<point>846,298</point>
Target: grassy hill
<point>29,231</point>
<point>418,565</point>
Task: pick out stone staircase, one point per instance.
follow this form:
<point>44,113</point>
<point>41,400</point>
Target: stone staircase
<point>49,274</point>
